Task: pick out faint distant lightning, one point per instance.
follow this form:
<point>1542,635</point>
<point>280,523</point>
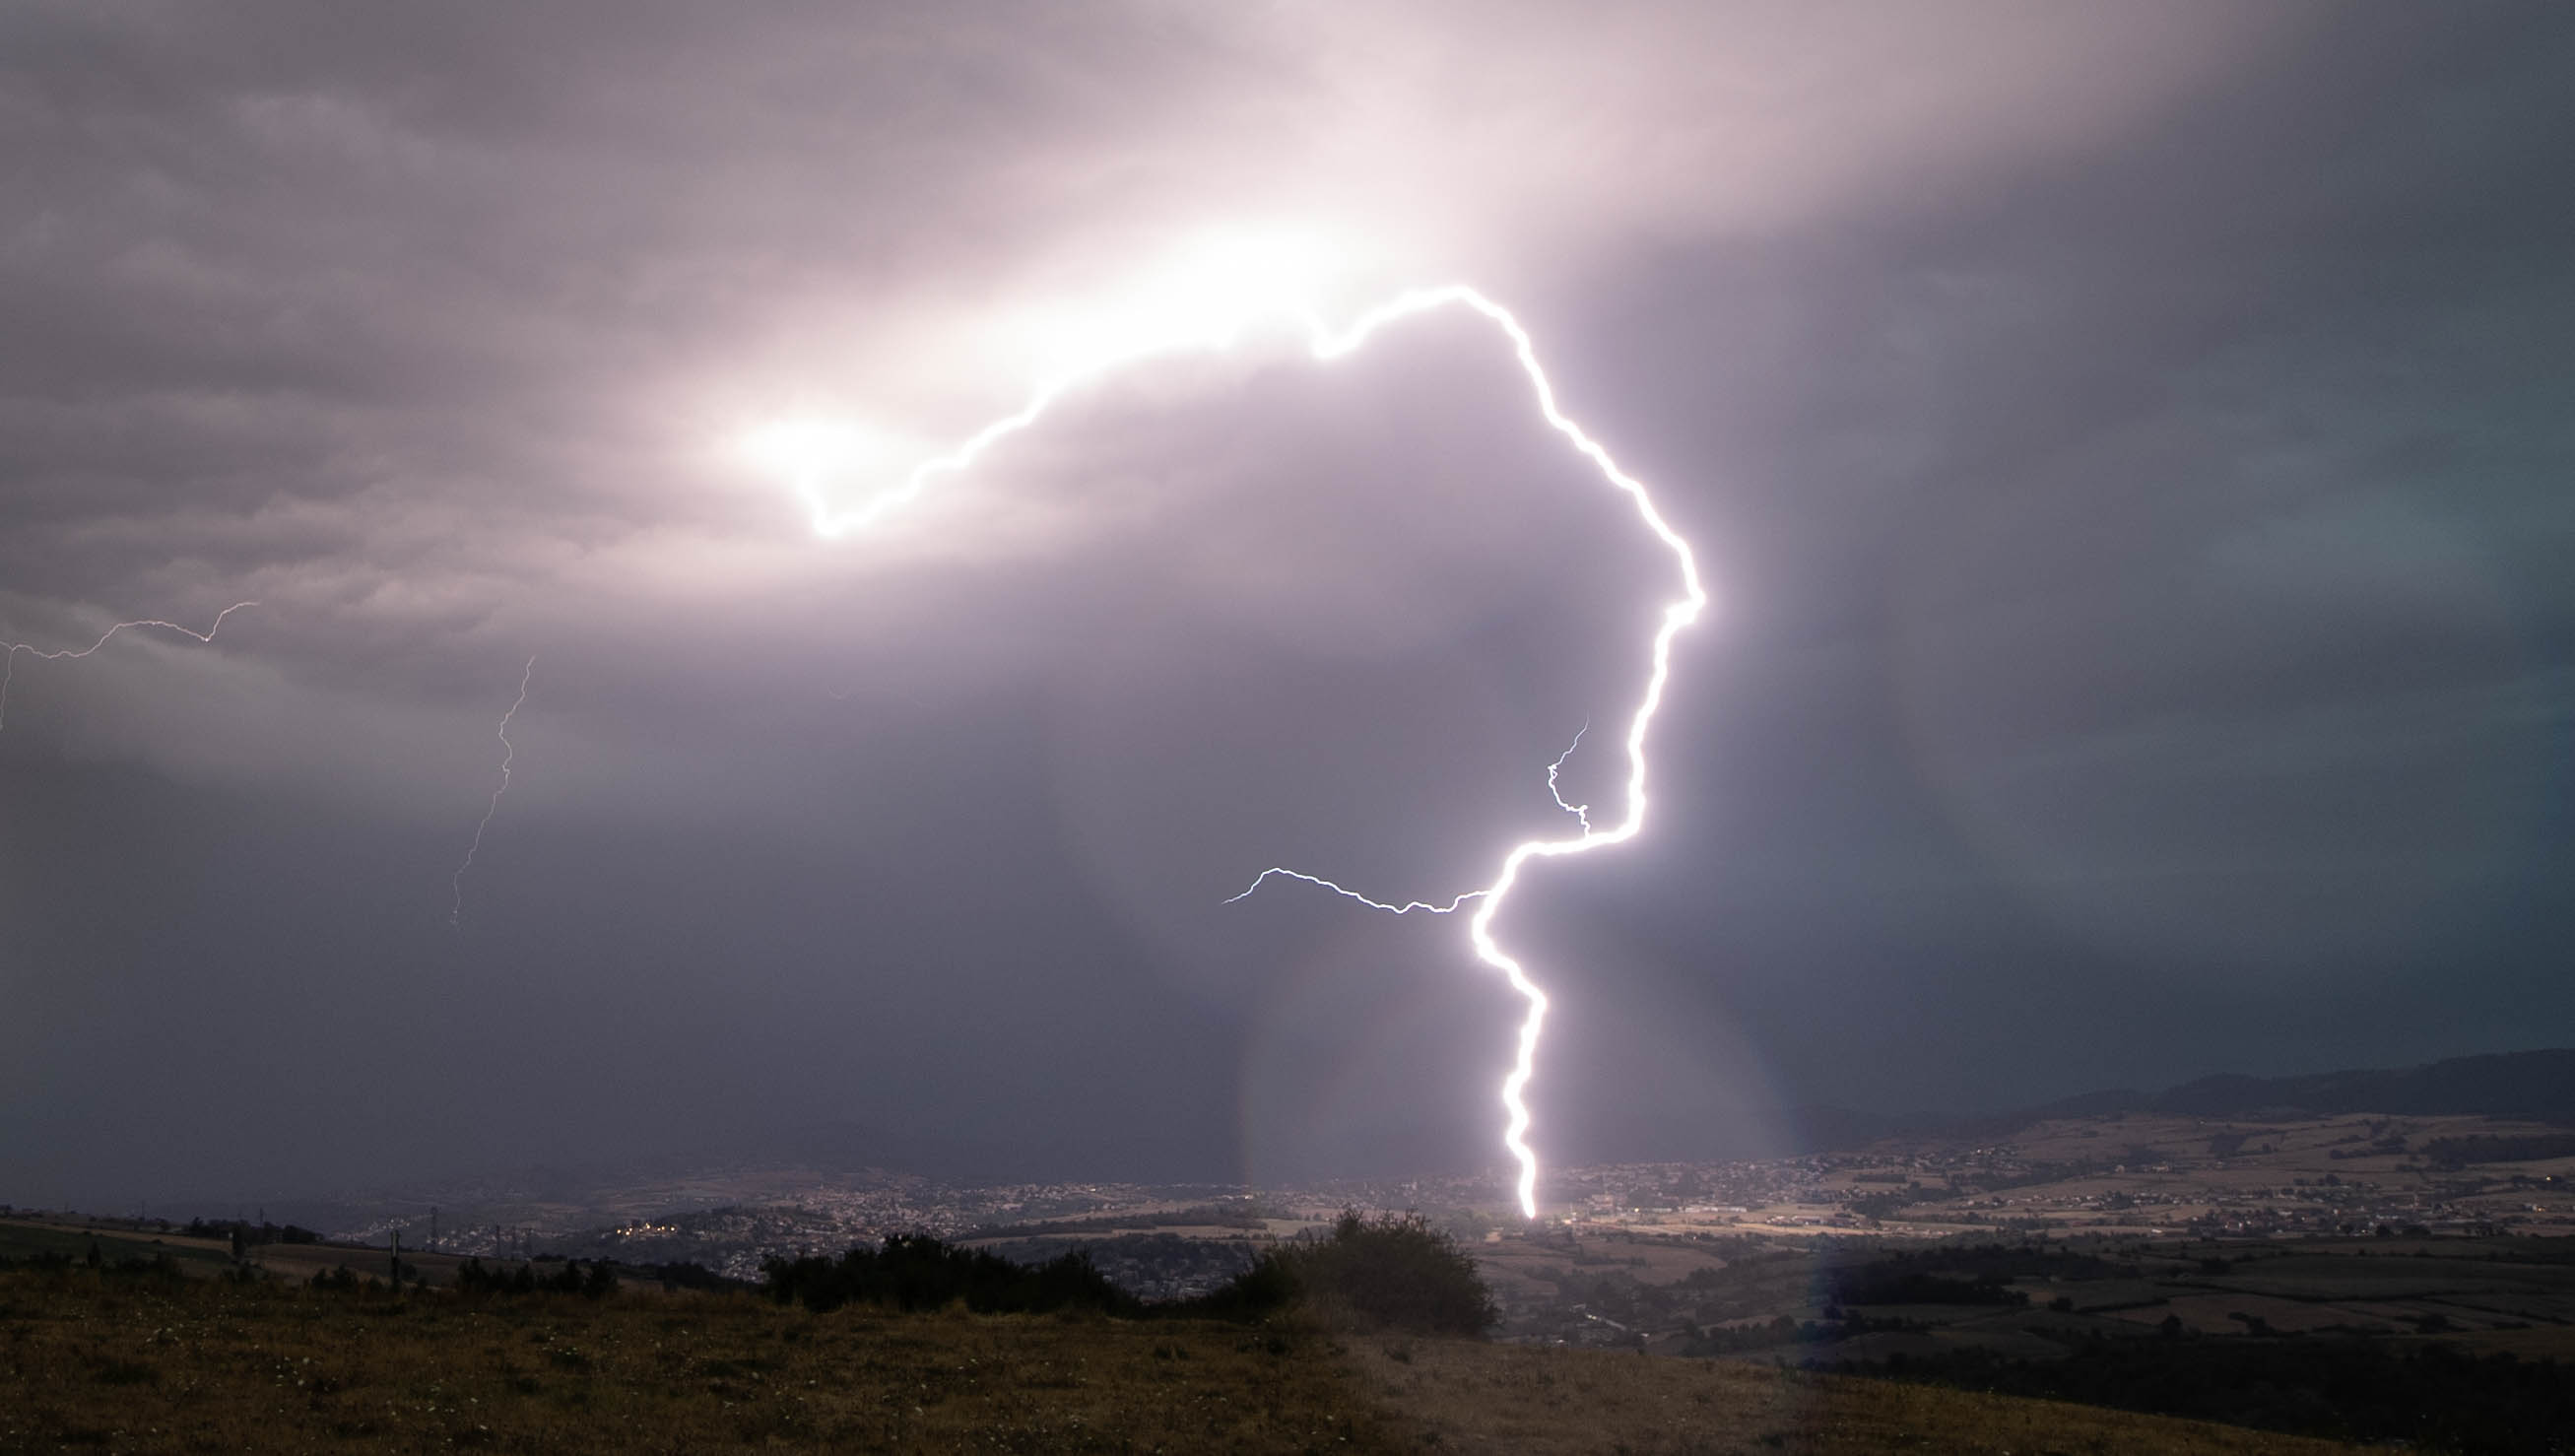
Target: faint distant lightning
<point>509,752</point>
<point>806,452</point>
<point>9,661</point>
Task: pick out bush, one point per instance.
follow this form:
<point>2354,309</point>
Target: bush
<point>1263,1289</point>
<point>1391,1274</point>
<point>916,1271</point>
<point>1397,1273</point>
<point>474,1278</point>
<point>691,1276</point>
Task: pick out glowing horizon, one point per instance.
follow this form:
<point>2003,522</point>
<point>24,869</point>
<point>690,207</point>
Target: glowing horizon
<point>1216,303</point>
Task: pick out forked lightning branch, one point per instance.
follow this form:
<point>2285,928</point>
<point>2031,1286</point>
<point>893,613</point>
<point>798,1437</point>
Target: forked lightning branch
<point>1210,311</point>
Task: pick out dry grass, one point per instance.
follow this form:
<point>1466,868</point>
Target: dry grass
<point>129,1364</point>
<point>1456,1396</point>
<point>196,1366</point>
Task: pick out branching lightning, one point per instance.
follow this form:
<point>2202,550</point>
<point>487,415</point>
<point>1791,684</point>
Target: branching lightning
<point>1581,811</point>
<point>9,661</point>
<point>509,752</point>
<point>1218,326</point>
<point>1408,907</point>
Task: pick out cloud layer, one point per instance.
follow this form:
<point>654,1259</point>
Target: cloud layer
<point>2126,441</point>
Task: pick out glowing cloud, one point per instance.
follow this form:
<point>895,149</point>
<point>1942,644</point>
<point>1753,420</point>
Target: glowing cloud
<point>1203,305</point>
<point>9,659</point>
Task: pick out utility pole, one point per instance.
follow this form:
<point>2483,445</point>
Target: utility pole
<point>433,1228</point>
<point>393,1247</point>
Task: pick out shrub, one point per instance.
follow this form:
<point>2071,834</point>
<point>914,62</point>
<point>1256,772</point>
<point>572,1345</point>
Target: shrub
<point>474,1278</point>
<point>691,1276</point>
<point>1394,1273</point>
<point>916,1271</point>
<point>1397,1273</point>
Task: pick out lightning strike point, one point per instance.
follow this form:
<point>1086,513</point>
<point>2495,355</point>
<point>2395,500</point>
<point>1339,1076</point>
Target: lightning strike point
<point>509,752</point>
<point>1214,320</point>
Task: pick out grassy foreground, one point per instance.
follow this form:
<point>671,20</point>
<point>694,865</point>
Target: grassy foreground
<point>133,1362</point>
<point>1454,1395</point>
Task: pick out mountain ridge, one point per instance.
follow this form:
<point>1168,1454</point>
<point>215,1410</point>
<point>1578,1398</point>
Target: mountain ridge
<point>2539,1085</point>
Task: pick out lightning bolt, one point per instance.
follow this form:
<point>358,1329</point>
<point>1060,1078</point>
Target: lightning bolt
<point>9,661</point>
<point>1325,343</point>
<point>509,752</point>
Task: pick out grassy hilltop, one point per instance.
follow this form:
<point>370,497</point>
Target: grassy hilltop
<point>139,1361</point>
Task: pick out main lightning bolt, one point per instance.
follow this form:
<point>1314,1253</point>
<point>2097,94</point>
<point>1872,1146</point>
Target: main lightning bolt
<point>806,451</point>
<point>9,661</point>
<point>509,752</point>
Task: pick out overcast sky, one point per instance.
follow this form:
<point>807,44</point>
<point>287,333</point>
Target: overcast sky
<point>2130,447</point>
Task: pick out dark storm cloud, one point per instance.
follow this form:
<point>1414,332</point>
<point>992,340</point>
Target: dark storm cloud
<point>2162,558</point>
<point>2128,441</point>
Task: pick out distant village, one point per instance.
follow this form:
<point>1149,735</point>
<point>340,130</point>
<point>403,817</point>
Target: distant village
<point>1611,1258</point>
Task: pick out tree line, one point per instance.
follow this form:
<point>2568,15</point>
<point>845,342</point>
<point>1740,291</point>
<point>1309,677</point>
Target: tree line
<point>1392,1272</point>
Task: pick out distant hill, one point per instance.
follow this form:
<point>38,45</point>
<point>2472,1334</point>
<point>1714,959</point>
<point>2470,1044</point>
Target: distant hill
<point>2536,1085</point>
<point>2539,1085</point>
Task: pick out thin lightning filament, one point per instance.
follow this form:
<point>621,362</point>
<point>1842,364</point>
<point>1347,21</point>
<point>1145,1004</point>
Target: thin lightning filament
<point>9,659</point>
<point>509,753</point>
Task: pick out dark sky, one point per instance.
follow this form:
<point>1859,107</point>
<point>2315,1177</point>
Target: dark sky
<point>2131,446</point>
